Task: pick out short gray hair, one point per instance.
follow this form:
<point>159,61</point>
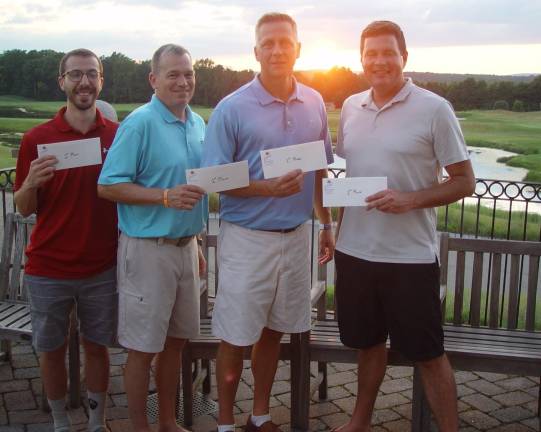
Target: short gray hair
<point>166,49</point>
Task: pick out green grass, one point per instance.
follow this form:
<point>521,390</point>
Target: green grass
<point>19,125</point>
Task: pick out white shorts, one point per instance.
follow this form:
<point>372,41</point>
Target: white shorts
<point>158,293</point>
<point>264,281</point>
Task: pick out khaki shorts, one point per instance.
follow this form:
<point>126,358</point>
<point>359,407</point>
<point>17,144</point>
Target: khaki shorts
<point>264,282</point>
<point>158,293</point>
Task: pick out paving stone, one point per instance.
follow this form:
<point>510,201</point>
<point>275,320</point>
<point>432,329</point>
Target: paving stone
<point>280,387</point>
<point>404,410</point>
<point>384,416</point>
<point>21,400</point>
<point>120,425</point>
<point>514,398</point>
<point>247,376</point>
<point>462,406</point>
<point>467,429</point>
<point>29,417</point>
<point>40,427</point>
<point>511,428</point>
<point>116,413</point>
<point>511,414</point>
<point>21,348</point>
<point>342,367</point>
<point>317,425</point>
<point>24,361</point>
<point>12,428</point>
<point>346,404</point>
<point>283,374</point>
<point>244,392</point>
<point>462,390</point>
<point>78,415</point>
<point>407,394</point>
<point>341,378</point>
<point>532,406</point>
<point>464,376</point>
<point>280,415</point>
<point>481,402</point>
<point>241,419</point>
<point>396,385</point>
<point>36,386</point>
<point>351,387</point>
<point>479,419</point>
<point>116,385</point>
<point>490,376</point>
<point>397,426</point>
<point>534,391</point>
<point>516,383</point>
<point>335,420</point>
<point>205,423</point>
<point>14,385</point>
<point>333,393</point>
<point>485,387</point>
<point>5,372</point>
<point>26,373</point>
<point>390,400</point>
<point>322,409</point>
<point>533,423</point>
<point>285,399</point>
<point>400,371</point>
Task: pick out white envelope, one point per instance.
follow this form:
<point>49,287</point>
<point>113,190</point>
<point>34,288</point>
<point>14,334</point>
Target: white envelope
<point>351,191</point>
<point>308,156</point>
<point>73,154</point>
<point>220,177</point>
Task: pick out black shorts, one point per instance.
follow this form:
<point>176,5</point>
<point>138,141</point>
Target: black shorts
<point>375,300</point>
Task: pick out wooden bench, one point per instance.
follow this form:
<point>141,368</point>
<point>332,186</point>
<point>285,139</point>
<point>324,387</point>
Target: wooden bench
<point>198,352</point>
<point>479,341</point>
<point>15,322</point>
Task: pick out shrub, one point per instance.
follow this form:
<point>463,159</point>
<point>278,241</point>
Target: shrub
<point>501,105</point>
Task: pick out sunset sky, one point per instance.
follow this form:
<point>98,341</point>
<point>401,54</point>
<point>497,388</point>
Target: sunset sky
<point>460,36</point>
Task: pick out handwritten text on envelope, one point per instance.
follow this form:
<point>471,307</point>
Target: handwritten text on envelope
<point>220,177</point>
<point>351,191</point>
<point>73,154</point>
<point>307,157</point>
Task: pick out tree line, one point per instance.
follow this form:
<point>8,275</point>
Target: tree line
<point>33,74</point>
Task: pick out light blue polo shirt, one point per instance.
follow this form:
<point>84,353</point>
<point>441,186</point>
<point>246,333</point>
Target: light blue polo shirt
<point>153,148</point>
<point>250,120</point>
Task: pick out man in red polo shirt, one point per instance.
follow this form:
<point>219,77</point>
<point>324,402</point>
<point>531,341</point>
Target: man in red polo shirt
<point>72,251</point>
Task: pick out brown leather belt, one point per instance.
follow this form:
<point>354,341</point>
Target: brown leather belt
<point>179,242</point>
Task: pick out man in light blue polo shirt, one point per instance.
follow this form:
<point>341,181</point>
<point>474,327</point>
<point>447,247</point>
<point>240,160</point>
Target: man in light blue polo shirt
<point>159,215</point>
<point>264,243</point>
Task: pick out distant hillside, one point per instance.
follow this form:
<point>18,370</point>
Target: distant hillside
<point>449,77</point>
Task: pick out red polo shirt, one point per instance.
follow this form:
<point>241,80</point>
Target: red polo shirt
<point>76,232</point>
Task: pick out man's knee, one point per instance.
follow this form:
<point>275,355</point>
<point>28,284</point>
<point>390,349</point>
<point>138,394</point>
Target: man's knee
<point>438,364</point>
<point>271,336</point>
<point>174,344</point>
<point>93,349</point>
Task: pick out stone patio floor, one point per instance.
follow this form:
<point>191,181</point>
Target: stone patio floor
<point>487,402</point>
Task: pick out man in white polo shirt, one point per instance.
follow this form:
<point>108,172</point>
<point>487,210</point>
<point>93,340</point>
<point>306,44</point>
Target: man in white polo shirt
<point>386,258</point>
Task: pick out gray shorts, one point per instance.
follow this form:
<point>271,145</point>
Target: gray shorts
<point>51,301</point>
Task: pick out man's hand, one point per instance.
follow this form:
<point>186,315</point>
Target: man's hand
<point>288,184</point>
<point>40,172</point>
<point>326,246</point>
<point>391,201</point>
<point>184,197</point>
<point>202,262</point>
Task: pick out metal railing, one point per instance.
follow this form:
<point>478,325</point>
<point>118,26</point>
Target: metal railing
<point>498,208</point>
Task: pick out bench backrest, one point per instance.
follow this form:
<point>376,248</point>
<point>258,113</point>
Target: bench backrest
<point>495,283</point>
<point>16,237</point>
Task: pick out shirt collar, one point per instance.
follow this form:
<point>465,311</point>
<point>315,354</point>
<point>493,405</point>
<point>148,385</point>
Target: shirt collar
<point>265,98</point>
<point>63,126</point>
<point>368,101</point>
<point>166,114</point>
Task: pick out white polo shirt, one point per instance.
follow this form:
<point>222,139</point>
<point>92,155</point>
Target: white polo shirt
<point>408,140</point>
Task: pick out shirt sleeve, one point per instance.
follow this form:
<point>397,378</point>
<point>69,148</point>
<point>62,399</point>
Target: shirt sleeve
<point>220,140</point>
<point>449,144</point>
<point>27,153</point>
<point>122,158</point>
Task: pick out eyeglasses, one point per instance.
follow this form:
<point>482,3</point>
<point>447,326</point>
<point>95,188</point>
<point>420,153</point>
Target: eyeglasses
<point>76,75</point>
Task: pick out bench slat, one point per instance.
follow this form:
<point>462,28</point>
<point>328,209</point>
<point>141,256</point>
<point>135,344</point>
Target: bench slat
<point>512,311</point>
<point>459,287</point>
<point>533,274</point>
<point>477,277</point>
<point>494,312</point>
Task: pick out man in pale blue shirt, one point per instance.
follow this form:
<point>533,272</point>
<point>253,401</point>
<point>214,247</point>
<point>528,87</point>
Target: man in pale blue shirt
<point>264,244</point>
<point>159,261</point>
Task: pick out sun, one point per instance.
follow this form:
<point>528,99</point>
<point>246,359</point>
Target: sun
<point>323,54</point>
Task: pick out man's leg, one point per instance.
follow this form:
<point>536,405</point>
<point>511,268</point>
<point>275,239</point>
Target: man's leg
<point>265,354</point>
<point>228,372</point>
<point>371,370</point>
<point>55,382</point>
<point>97,380</point>
<point>136,379</point>
<point>440,388</point>
<point>167,379</point>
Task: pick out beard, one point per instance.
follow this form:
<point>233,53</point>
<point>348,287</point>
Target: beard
<point>85,102</point>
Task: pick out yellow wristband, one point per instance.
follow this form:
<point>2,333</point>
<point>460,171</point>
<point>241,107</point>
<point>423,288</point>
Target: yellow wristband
<point>165,200</point>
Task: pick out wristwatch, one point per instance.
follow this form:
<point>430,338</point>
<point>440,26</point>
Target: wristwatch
<point>325,226</point>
